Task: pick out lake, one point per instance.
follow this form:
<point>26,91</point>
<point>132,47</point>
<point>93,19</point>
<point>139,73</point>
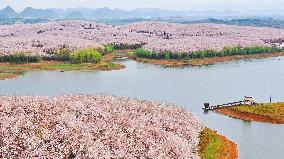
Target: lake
<point>187,87</point>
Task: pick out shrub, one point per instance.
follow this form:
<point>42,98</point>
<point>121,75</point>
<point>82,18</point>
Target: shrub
<point>86,56</point>
<point>167,55</point>
<point>109,48</point>
<point>126,46</point>
<point>227,51</point>
<point>20,58</point>
<point>62,55</point>
<point>143,53</point>
<point>130,53</point>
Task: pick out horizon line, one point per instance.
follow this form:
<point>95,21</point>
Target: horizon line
<point>112,8</point>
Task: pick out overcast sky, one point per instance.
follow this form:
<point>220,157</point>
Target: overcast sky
<point>164,4</point>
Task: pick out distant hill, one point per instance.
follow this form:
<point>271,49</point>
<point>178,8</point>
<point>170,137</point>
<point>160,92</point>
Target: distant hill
<point>8,12</point>
<point>257,22</point>
<point>111,13</point>
<point>119,16</point>
<point>108,13</point>
<point>76,15</point>
<point>37,13</point>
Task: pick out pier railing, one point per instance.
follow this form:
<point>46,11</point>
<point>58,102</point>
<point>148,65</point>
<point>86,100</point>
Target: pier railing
<point>208,107</point>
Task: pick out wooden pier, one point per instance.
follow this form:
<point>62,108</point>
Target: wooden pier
<point>247,101</point>
<point>208,107</point>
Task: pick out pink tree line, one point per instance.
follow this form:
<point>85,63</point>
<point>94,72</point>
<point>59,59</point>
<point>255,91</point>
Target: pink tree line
<point>44,38</point>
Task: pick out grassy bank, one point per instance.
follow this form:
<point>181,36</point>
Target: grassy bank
<point>192,62</point>
<point>270,112</point>
<point>206,57</point>
<point>12,70</point>
<point>215,146</point>
<point>8,75</point>
<point>8,70</point>
<point>90,59</point>
<point>204,61</point>
<point>227,51</point>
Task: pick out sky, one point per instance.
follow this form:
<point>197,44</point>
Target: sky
<point>220,5</point>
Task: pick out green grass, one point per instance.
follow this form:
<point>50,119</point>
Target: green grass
<point>211,144</point>
<point>107,65</point>
<point>79,60</point>
<point>130,53</point>
<point>119,54</point>
<point>13,67</point>
<point>4,67</point>
<point>84,66</point>
<point>4,75</point>
<point>273,110</point>
<point>214,146</point>
<point>67,66</point>
<point>10,74</point>
<point>9,70</point>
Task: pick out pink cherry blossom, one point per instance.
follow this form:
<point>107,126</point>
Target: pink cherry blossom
<point>95,127</point>
<point>44,38</point>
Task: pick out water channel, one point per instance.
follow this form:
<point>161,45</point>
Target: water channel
<point>187,87</point>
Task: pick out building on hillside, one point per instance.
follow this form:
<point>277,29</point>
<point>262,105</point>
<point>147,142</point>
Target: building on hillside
<point>248,100</point>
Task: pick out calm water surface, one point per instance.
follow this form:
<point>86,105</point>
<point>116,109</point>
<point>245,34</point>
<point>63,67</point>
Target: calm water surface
<point>187,87</point>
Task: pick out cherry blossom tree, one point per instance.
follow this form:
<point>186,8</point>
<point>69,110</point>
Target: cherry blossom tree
<point>45,38</point>
<point>95,127</point>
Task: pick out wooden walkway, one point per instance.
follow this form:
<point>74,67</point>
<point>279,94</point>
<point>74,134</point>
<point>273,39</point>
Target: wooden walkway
<point>207,107</point>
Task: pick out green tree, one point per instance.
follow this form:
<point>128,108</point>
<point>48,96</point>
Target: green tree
<point>86,56</point>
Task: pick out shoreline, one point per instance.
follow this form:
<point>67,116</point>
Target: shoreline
<point>9,71</point>
<point>204,61</point>
<point>6,76</point>
<point>247,115</point>
<point>215,146</point>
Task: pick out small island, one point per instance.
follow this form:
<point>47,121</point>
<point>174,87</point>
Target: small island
<point>90,59</point>
<point>264,112</point>
<point>206,59</point>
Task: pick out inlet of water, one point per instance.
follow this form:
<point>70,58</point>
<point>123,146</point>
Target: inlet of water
<point>188,87</point>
